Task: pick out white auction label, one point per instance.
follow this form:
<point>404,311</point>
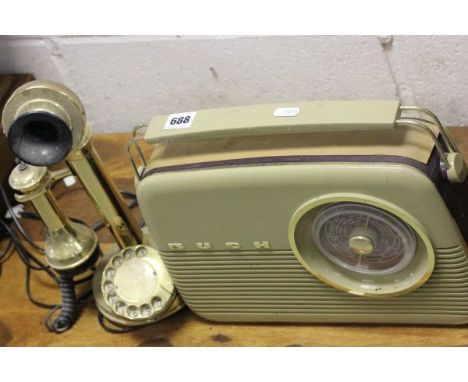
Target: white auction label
<point>286,112</point>
<point>180,120</point>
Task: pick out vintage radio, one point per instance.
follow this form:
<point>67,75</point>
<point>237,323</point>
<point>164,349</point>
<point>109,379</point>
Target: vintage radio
<point>314,212</point>
<point>344,211</point>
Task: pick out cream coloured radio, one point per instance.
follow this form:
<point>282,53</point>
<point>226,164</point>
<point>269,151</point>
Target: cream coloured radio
<point>309,212</point>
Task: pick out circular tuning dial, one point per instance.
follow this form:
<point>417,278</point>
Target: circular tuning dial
<point>361,245</point>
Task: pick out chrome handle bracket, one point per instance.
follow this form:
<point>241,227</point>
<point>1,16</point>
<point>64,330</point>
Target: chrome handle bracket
<point>452,163</point>
<point>137,136</point>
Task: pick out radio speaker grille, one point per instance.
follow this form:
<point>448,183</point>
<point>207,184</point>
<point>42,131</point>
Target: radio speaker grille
<point>274,286</point>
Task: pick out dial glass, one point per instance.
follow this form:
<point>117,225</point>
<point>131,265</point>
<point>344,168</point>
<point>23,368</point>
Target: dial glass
<point>363,239</point>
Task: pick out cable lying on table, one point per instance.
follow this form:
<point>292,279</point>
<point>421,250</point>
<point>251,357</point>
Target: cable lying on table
<point>6,252</point>
<point>116,330</point>
<point>19,226</point>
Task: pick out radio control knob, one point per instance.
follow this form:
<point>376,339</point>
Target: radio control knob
<point>361,245</point>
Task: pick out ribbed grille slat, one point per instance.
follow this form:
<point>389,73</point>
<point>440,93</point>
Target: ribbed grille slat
<point>277,284</point>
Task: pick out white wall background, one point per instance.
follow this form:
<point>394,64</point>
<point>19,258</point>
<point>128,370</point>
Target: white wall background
<point>125,80</point>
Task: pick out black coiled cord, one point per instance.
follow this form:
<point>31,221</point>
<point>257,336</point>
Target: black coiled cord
<point>68,308</point>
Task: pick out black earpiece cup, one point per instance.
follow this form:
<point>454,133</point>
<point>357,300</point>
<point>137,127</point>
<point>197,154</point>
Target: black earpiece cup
<point>40,138</point>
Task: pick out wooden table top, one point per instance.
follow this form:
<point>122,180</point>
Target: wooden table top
<point>21,323</point>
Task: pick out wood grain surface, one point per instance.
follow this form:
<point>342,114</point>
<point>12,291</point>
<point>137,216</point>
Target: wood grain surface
<point>21,323</point>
